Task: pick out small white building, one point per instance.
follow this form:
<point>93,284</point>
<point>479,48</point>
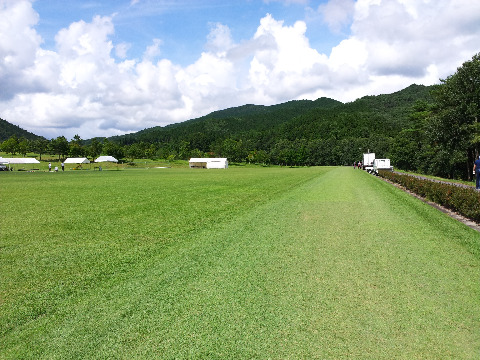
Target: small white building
<point>208,163</point>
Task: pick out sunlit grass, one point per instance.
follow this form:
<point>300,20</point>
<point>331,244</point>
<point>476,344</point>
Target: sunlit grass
<point>243,263</point>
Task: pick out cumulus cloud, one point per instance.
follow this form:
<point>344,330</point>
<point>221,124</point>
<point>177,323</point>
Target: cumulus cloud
<point>153,50</point>
<point>219,39</point>
<point>19,43</point>
<point>337,13</point>
<point>121,50</point>
<point>283,70</point>
<point>406,37</point>
<point>89,86</point>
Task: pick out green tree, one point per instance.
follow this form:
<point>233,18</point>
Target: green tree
<point>453,126</point>
<point>59,146</point>
<point>134,151</point>
<point>95,149</point>
<point>163,152</point>
<point>233,150</point>
<point>258,157</point>
<point>23,146</point>
<point>196,153</point>
<point>410,150</point>
<point>76,147</point>
<point>151,152</point>
<point>40,147</point>
<point>184,150</point>
<point>112,149</point>
<point>10,145</point>
<point>281,152</point>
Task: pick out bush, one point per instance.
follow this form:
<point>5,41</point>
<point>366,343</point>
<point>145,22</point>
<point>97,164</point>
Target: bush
<point>465,201</point>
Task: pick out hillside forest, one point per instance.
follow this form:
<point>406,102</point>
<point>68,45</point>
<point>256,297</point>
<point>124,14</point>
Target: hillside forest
<point>427,129</point>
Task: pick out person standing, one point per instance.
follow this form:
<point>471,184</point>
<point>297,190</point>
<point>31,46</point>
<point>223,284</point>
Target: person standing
<point>476,170</point>
<point>63,166</point>
<point>49,167</point>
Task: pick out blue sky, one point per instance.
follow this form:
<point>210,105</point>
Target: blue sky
<point>104,68</point>
<point>182,25</point>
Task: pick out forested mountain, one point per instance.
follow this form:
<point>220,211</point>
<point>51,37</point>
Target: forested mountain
<point>200,132</point>
<point>8,130</point>
<point>320,132</point>
<point>370,116</point>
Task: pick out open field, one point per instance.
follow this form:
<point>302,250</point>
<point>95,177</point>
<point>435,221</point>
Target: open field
<point>244,263</point>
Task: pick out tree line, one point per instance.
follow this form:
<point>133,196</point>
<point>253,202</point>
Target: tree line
<point>59,146</point>
<point>443,136</point>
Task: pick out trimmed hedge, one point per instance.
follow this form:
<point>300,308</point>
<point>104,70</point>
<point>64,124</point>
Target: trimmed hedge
<point>463,200</point>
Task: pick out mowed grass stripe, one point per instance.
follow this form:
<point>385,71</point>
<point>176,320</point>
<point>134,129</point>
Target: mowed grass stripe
<point>336,265</point>
<point>66,234</point>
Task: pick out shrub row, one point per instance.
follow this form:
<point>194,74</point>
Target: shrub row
<point>463,200</point>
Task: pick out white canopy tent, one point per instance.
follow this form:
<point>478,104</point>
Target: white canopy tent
<point>18,161</point>
<point>76,161</point>
<point>106,159</point>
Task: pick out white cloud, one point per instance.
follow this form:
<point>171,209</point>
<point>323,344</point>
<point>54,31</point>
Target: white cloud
<point>219,39</point>
<point>153,50</point>
<point>83,87</point>
<point>19,43</point>
<point>287,67</point>
<point>121,50</point>
<point>405,37</point>
<point>337,13</point>
<point>86,39</point>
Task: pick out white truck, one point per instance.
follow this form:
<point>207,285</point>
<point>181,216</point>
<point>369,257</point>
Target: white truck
<point>368,159</point>
<point>381,164</point>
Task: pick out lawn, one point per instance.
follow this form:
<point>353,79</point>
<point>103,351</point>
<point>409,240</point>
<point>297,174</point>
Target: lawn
<point>244,263</point>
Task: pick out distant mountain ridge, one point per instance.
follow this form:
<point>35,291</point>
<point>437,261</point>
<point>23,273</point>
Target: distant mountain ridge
<point>292,119</point>
<point>8,130</point>
<point>229,121</point>
<point>261,126</point>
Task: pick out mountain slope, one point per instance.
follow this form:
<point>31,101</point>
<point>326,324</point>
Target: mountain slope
<point>381,115</point>
<point>7,130</point>
<point>228,123</point>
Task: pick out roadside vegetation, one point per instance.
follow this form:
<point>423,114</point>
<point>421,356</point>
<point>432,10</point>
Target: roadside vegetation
<point>249,262</point>
<point>464,200</point>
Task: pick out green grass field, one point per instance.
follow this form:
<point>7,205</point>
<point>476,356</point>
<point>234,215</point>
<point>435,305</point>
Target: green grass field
<point>244,263</point>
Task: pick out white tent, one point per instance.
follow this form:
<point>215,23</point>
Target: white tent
<point>10,161</point>
<point>106,159</point>
<point>208,163</point>
<point>77,161</point>
<point>19,160</point>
